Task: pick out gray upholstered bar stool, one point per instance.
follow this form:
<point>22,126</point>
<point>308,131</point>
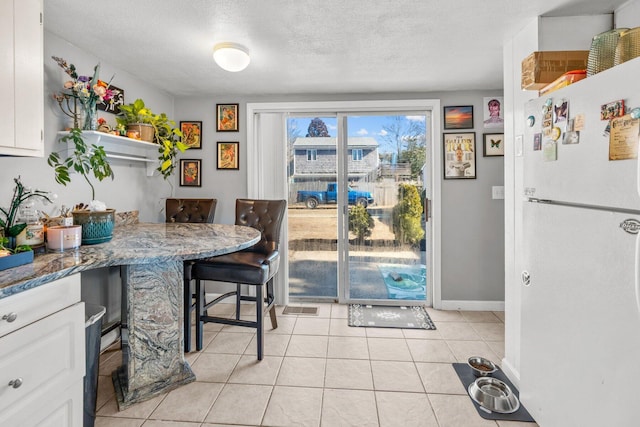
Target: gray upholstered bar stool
<point>255,266</point>
<point>193,211</point>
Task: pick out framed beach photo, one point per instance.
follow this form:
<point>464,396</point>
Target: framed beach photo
<point>493,144</point>
<point>228,155</point>
<point>191,134</point>
<point>190,172</point>
<point>459,155</point>
<point>227,117</point>
<point>458,117</point>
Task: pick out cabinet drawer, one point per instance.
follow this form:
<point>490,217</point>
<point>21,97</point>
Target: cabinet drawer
<point>46,357</point>
<point>34,304</point>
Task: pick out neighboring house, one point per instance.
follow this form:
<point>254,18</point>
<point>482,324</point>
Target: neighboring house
<point>315,159</point>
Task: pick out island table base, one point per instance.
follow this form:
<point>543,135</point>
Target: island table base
<point>152,342</point>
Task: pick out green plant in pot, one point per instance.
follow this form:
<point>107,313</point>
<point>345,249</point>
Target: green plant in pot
<point>96,220</point>
<point>165,133</point>
<point>11,225</point>
<point>137,117</point>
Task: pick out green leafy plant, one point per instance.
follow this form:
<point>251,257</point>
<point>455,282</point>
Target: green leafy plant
<point>20,194</point>
<point>360,222</point>
<point>135,112</point>
<point>83,160</point>
<point>166,134</point>
<point>5,247</point>
<point>407,215</point>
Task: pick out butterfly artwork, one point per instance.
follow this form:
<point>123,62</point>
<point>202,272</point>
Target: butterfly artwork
<point>493,144</point>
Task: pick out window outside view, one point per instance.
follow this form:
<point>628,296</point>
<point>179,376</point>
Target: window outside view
<point>385,160</point>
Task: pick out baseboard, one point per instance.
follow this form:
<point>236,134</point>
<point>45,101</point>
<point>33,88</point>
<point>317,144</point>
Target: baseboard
<point>510,372</point>
<point>472,305</point>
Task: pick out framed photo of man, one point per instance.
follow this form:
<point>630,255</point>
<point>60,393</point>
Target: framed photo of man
<point>493,113</point>
<point>459,155</point>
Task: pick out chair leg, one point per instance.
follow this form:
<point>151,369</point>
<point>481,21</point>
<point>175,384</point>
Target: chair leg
<point>259,321</point>
<point>199,313</point>
<point>238,289</point>
<point>187,315</point>
<point>270,298</point>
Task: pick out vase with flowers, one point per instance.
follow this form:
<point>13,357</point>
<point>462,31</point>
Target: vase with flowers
<point>86,90</point>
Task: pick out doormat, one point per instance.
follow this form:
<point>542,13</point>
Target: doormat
<point>466,377</point>
<point>404,281</point>
<point>309,311</point>
<point>383,316</point>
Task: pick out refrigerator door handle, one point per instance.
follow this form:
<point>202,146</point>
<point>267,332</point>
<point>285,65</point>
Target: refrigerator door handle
<point>637,267</point>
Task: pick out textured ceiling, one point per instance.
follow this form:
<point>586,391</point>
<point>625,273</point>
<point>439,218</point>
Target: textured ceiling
<point>304,46</point>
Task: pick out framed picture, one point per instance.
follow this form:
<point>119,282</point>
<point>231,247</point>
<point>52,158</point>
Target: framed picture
<point>191,134</point>
<point>190,175</point>
<point>227,117</point>
<point>493,144</point>
<point>459,117</point>
<point>114,102</point>
<point>493,113</point>
<point>459,155</point>
<point>228,155</point>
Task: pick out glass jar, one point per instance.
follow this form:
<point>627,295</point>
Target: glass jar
<point>33,234</point>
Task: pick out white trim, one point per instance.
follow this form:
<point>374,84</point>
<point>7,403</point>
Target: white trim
<point>510,372</point>
<point>254,168</point>
<point>472,305</point>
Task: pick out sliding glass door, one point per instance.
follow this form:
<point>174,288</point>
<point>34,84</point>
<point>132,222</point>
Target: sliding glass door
<point>359,185</point>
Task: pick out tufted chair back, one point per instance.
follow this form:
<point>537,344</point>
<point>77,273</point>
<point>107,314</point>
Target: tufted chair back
<point>265,216</point>
<point>190,210</point>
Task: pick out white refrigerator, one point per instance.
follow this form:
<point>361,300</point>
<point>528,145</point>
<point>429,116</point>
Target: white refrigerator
<point>580,334</point>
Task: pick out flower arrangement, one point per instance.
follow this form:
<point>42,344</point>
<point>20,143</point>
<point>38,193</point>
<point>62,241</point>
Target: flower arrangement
<point>89,91</point>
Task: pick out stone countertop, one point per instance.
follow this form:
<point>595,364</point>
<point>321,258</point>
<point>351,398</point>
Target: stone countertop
<point>132,244</point>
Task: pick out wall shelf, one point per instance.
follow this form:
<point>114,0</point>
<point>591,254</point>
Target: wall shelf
<point>121,148</point>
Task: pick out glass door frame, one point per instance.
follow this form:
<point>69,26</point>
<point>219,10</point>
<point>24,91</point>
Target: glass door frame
<point>344,283</point>
<point>261,169</point>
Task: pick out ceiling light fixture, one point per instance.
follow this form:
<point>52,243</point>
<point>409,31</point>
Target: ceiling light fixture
<point>231,56</point>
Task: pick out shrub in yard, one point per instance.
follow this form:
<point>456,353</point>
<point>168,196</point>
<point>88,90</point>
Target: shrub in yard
<point>407,215</point>
<point>360,223</point>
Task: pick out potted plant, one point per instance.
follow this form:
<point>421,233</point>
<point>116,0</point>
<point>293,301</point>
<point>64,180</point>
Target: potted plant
<point>165,133</point>
<point>96,220</point>
<point>12,255</point>
<point>136,117</point>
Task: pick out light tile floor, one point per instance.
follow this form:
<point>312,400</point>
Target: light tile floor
<point>318,371</point>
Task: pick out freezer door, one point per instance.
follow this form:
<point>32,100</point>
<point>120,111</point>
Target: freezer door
<point>580,358</point>
<point>582,172</point>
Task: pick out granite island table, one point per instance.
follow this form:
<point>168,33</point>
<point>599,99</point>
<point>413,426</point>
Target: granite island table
<point>151,257</point>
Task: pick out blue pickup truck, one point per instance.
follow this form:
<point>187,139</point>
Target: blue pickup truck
<point>312,199</point>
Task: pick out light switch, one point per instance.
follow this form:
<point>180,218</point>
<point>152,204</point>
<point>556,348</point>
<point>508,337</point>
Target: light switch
<point>518,146</point>
<point>497,192</point>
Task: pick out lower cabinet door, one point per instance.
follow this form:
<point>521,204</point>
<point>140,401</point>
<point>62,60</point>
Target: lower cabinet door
<point>38,363</point>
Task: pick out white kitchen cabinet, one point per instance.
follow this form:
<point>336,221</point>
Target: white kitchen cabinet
<point>21,78</point>
<point>42,356</point>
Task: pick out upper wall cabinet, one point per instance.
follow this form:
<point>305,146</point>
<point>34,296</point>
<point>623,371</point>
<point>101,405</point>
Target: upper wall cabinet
<point>21,78</point>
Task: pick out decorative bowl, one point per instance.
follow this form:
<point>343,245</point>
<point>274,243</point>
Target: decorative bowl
<point>481,367</point>
<point>494,395</point>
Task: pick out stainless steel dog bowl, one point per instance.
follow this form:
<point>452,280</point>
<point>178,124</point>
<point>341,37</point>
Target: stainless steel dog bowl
<point>481,367</point>
<point>494,395</point>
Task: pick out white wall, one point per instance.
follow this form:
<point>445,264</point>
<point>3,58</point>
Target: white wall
<point>131,189</point>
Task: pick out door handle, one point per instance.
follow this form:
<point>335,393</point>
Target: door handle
<point>427,209</point>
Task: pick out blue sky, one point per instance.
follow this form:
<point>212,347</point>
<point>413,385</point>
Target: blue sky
<point>369,125</point>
